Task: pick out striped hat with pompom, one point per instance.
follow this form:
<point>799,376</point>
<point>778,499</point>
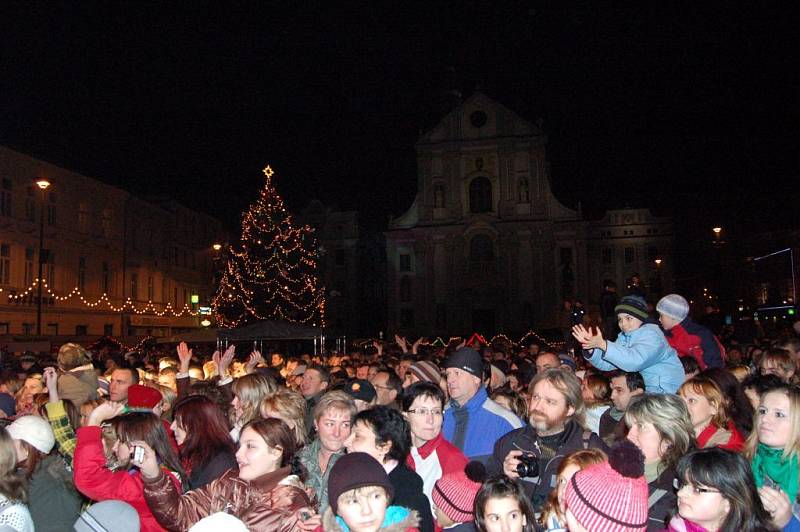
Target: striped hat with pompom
<point>611,496</point>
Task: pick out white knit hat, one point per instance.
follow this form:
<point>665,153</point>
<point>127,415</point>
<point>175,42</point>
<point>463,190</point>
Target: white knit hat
<point>34,430</point>
<point>219,521</point>
<point>674,306</point>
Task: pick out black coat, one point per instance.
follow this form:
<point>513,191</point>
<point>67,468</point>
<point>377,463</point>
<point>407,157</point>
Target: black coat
<point>662,502</point>
<point>525,438</point>
<point>205,473</point>
<point>408,494</point>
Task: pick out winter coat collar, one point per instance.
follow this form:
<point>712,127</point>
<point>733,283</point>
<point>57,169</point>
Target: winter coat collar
<point>474,403</point>
<point>398,519</point>
<point>427,449</point>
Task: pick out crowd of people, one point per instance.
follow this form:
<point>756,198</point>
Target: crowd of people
<point>654,425</point>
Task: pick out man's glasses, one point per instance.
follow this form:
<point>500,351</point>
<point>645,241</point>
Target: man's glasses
<point>678,484</point>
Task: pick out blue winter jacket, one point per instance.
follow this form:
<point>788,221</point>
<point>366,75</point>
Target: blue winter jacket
<point>486,422</point>
<point>644,350</point>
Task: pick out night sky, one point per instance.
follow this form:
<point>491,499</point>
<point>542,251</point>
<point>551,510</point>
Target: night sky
<point>689,109</point>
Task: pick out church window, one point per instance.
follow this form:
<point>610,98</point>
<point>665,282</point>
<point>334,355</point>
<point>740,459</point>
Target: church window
<point>480,195</point>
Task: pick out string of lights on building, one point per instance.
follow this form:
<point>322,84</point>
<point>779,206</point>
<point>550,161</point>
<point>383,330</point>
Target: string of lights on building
<point>127,306</point>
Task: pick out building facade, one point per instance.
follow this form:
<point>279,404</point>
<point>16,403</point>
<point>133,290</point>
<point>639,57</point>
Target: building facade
<point>352,266</point>
<point>102,246</point>
<point>486,245</point>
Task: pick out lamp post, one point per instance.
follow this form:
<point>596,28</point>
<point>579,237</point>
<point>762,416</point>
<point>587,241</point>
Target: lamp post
<point>42,184</point>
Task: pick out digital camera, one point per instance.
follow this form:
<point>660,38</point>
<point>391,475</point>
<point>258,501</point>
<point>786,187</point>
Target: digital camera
<point>528,465</point>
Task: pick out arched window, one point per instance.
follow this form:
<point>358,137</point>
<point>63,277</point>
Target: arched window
<point>438,195</point>
<point>480,195</point>
<point>405,289</point>
<point>481,250</point>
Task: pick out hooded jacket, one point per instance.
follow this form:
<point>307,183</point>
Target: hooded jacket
<point>268,503</point>
<point>78,385</point>
<point>397,519</point>
<point>478,424</point>
<point>644,350</point>
<point>691,339</point>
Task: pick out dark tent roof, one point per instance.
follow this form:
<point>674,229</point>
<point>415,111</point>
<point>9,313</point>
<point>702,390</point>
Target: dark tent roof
<point>268,330</point>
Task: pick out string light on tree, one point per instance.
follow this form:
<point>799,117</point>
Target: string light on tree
<point>273,272</point>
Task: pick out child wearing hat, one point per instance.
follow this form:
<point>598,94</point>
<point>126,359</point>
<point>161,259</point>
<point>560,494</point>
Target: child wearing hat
<point>611,496</point>
<point>640,346</point>
<point>454,498</point>
<point>359,492</point>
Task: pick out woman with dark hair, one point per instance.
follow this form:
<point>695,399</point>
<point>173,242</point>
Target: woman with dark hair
<point>501,505</point>
<point>201,431</point>
<point>740,409</point>
<point>265,493</point>
<point>53,503</point>
<point>384,434</point>
<point>716,491</point>
<point>100,483</point>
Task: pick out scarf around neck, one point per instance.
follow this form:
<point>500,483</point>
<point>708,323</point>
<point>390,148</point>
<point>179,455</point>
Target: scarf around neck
<point>769,463</point>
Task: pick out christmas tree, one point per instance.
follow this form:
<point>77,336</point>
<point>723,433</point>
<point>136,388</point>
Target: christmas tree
<point>272,273</point>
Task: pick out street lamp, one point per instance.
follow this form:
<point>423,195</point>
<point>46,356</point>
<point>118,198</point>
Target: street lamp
<point>42,184</point>
<point>217,247</point>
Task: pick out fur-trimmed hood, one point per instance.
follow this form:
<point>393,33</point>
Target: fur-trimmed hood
<point>398,519</point>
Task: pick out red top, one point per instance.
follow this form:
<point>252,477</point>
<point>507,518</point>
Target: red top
<point>734,443</point>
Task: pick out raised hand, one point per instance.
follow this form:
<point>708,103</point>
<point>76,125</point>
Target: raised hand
<point>185,356</point>
<point>253,361</point>
<point>105,411</point>
<point>415,345</point>
<point>148,466</point>
<point>51,382</point>
<point>402,342</point>
<point>588,339</point>
<point>225,361</point>
<point>379,346</point>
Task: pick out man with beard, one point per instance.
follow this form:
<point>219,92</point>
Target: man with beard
<point>556,414</point>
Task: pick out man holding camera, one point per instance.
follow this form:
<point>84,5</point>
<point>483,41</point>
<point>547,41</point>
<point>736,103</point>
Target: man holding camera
<point>556,414</point>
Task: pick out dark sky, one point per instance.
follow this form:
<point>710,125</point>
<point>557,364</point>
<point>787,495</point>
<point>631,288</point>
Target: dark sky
<point>690,109</point>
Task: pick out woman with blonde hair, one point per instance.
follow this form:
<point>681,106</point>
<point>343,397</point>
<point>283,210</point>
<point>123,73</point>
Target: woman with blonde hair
<point>660,426</point>
<point>774,451</point>
<point>248,392</point>
<point>14,514</point>
<point>290,407</point>
<point>708,408</point>
<point>553,518</point>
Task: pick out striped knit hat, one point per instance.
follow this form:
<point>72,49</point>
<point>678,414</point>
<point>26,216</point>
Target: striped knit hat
<point>454,493</point>
<point>611,496</point>
<point>426,371</point>
<point>636,306</point>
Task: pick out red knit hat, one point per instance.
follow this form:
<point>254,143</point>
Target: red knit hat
<point>454,494</point>
<point>611,496</point>
<point>142,398</point>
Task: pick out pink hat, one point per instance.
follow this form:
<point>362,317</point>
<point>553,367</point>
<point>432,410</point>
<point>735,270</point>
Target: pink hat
<point>454,494</point>
<point>611,496</point>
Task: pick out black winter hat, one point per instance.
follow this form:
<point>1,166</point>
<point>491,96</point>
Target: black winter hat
<point>636,306</point>
<point>356,470</point>
<point>466,359</point>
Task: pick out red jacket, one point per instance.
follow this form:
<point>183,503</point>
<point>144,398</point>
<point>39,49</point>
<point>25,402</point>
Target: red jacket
<point>730,439</point>
<point>690,339</point>
<point>451,459</point>
<point>96,481</point>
